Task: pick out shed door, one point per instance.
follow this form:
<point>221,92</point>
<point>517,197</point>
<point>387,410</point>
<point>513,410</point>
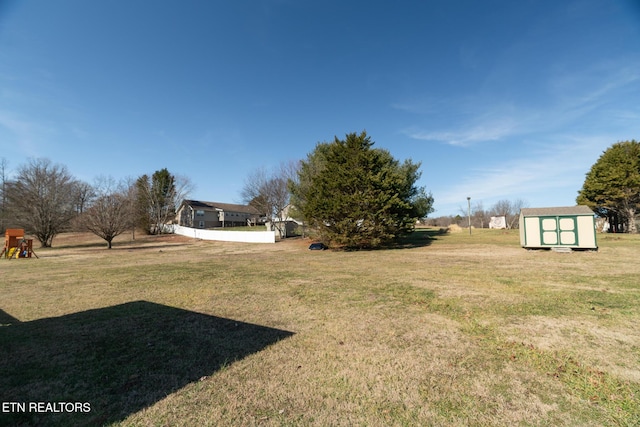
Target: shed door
<point>558,231</point>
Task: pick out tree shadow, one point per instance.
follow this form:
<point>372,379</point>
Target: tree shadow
<point>118,360</point>
<point>419,238</point>
<point>122,246</point>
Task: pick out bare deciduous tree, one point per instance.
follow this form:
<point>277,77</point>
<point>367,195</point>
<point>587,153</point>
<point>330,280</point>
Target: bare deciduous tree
<point>516,206</point>
<point>510,210</point>
<point>479,215</point>
<point>268,191</point>
<point>85,193</point>
<point>41,199</point>
<point>109,215</point>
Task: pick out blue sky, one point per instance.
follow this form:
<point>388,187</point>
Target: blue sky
<point>497,99</point>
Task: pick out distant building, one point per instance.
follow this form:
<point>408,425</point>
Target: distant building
<point>498,222</point>
<point>197,214</point>
<point>284,226</point>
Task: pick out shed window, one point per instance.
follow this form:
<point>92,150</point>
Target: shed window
<point>568,237</point>
<point>566,224</point>
<point>550,238</point>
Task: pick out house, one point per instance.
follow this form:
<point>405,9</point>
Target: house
<point>565,227</point>
<point>197,214</point>
<point>284,225</point>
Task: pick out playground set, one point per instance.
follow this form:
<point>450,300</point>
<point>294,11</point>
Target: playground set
<point>16,246</point>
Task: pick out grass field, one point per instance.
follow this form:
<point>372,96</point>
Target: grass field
<point>443,329</point>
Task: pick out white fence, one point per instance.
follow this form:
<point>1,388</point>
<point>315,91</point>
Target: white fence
<point>226,236</point>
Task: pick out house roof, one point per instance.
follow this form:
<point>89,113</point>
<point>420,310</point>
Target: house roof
<point>227,207</point>
<point>561,210</point>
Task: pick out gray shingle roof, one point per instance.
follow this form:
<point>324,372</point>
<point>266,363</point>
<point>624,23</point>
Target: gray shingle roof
<point>561,210</point>
<point>227,207</point>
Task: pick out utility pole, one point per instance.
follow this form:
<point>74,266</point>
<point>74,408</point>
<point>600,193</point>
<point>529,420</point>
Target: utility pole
<point>469,213</point>
<point>3,202</point>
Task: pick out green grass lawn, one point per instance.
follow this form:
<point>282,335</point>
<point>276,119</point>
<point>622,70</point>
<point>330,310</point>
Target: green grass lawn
<point>439,329</point>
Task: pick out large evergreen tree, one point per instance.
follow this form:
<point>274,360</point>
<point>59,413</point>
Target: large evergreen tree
<point>158,198</point>
<point>358,196</point>
<point>612,186</point>
<point>156,202</point>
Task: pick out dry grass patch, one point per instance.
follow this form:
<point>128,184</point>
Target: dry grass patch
<point>440,330</point>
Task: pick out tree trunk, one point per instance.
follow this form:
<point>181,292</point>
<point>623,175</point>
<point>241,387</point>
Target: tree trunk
<point>631,217</point>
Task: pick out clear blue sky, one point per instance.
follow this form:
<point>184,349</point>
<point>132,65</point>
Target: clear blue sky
<point>497,99</point>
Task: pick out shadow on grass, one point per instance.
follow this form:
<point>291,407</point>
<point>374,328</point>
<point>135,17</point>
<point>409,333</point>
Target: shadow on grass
<point>6,319</point>
<point>116,246</point>
<point>118,359</point>
<point>419,238</point>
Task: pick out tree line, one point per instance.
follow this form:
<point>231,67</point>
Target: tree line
<point>481,216</point>
<point>45,199</point>
<point>347,192</point>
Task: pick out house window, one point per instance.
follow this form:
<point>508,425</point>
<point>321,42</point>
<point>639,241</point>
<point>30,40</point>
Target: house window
<point>199,213</point>
<point>201,224</point>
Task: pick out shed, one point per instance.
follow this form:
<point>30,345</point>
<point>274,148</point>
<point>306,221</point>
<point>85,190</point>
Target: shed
<point>567,227</point>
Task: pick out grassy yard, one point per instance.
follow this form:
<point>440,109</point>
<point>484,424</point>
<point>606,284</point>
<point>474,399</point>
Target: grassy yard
<point>442,329</point>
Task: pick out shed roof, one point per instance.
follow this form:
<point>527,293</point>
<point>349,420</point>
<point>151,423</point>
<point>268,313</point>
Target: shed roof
<point>560,210</point>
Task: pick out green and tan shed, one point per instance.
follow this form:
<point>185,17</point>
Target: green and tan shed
<point>560,227</point>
